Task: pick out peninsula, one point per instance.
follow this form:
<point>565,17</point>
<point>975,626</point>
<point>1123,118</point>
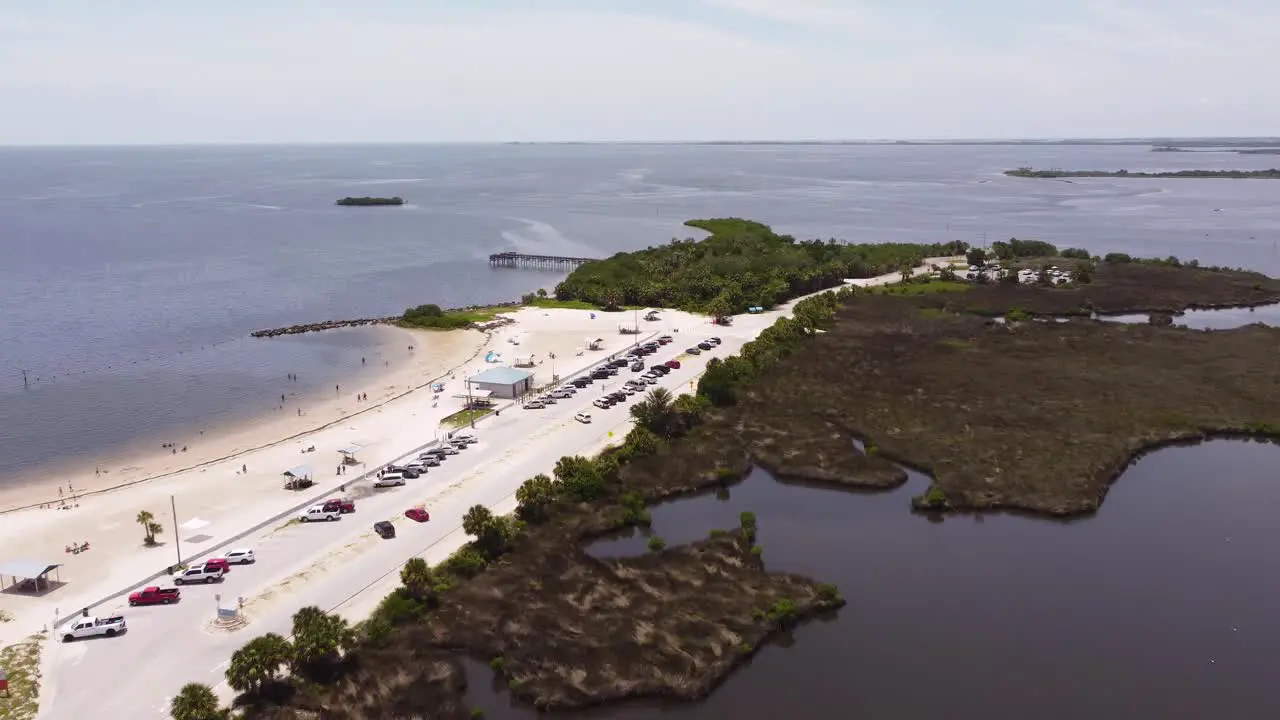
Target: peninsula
<point>369,201</point>
<point>1027,172</point>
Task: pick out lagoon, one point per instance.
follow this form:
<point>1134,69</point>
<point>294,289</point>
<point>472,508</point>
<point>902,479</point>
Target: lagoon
<point>1160,605</point>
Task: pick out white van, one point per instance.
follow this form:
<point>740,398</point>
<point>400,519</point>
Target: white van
<point>389,480</point>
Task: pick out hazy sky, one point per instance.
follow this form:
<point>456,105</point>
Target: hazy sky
<point>145,71</point>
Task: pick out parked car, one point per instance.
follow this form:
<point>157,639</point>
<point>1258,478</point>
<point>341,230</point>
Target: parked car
<point>197,574</point>
<point>534,405</point>
<point>384,529</point>
<point>665,339</point>
<point>583,418</point>
<point>673,364</point>
<point>320,513</point>
<point>155,596</point>
<point>652,379</point>
<point>429,459</point>
<point>618,396</point>
<point>220,563</point>
<point>620,362</point>
<point>458,444</point>
<point>651,345</point>
<point>417,514</point>
<point>547,400</point>
<point>341,505</point>
<point>389,480</point>
<point>637,366</point>
<point>714,340</point>
<point>563,393</point>
<point>465,437</point>
<point>693,351</point>
<point>90,627</point>
<point>704,346</point>
<point>416,467</point>
<point>661,369</point>
<point>581,383</point>
<point>444,450</point>
<point>602,403</point>
<point>245,556</point>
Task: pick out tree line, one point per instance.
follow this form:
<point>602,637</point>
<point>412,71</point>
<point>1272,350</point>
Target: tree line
<point>740,264</point>
<point>1028,172</point>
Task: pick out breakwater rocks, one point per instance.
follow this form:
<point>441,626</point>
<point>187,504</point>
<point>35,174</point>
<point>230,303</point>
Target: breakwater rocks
<point>317,327</point>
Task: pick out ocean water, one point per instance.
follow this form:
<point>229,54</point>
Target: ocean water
<point>131,277</point>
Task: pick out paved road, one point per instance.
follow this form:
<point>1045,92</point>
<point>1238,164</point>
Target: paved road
<point>326,564</point>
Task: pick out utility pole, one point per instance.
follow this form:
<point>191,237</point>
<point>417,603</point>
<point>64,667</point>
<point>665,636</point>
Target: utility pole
<point>471,413</point>
<point>177,543</point>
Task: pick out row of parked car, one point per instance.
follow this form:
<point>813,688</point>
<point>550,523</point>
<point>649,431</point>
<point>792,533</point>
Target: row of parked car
<point>216,569</point>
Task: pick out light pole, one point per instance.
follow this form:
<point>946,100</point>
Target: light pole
<point>177,542</point>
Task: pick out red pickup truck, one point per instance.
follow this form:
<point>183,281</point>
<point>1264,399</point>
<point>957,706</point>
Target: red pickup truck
<point>155,596</point>
<point>342,505</point>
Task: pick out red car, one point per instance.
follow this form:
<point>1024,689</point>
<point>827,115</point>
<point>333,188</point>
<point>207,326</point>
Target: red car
<point>418,514</point>
<point>665,339</point>
<point>155,596</point>
<point>673,364</point>
<point>220,563</point>
<point>342,505</point>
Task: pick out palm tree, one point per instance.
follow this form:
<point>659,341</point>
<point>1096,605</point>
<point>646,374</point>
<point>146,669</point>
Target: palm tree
<point>318,638</point>
<point>196,702</point>
<point>149,526</point>
<point>417,578</point>
<point>258,662</point>
<point>654,412</point>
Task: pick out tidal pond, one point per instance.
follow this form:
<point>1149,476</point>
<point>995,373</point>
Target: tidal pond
<point>1224,319</point>
<point>1160,606</point>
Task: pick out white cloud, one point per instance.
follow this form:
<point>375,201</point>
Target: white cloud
<point>1130,68</point>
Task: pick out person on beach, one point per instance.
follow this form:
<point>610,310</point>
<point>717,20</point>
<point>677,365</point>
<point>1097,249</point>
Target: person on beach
<point>361,361</point>
<point>244,469</point>
<point>337,388</point>
<point>281,397</point>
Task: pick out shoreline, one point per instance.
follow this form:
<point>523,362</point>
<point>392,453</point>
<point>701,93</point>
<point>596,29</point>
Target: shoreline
<point>142,460</point>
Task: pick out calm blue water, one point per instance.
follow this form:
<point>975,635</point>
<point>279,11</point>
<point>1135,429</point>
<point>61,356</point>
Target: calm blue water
<point>133,275</point>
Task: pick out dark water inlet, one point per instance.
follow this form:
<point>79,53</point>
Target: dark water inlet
<point>1223,319</point>
<point>1161,605</point>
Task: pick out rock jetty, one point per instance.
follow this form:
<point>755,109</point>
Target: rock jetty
<point>317,327</point>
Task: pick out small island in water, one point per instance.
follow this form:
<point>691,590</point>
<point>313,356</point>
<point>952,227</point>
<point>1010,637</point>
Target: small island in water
<point>1027,172</point>
<point>370,201</point>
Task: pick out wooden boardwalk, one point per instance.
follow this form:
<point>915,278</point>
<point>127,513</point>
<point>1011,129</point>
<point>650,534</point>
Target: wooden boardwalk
<point>537,262</point>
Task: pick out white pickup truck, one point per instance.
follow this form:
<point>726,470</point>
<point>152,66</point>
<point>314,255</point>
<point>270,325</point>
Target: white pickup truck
<point>84,627</point>
<point>317,513</point>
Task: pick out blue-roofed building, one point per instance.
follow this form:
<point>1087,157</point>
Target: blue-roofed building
<point>503,382</point>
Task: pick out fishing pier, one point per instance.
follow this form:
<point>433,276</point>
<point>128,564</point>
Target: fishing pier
<point>536,262</point>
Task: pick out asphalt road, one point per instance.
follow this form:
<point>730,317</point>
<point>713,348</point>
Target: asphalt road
<point>329,564</point>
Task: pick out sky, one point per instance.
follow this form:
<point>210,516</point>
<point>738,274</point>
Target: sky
<point>304,71</point>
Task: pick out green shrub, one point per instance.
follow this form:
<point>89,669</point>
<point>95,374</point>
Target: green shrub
<point>783,613</point>
<point>828,593</point>
<point>1017,315</point>
<point>757,551</point>
<point>718,533</point>
<point>497,664</point>
<point>657,544</point>
<point>466,562</point>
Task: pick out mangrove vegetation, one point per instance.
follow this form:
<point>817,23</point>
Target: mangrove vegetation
<point>740,264</point>
<point>369,201</point>
<point>1027,172</point>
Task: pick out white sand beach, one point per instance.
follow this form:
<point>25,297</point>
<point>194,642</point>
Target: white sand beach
<point>215,499</point>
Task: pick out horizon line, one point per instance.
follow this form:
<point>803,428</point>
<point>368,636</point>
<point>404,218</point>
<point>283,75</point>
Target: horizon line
<point>1084,139</point>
